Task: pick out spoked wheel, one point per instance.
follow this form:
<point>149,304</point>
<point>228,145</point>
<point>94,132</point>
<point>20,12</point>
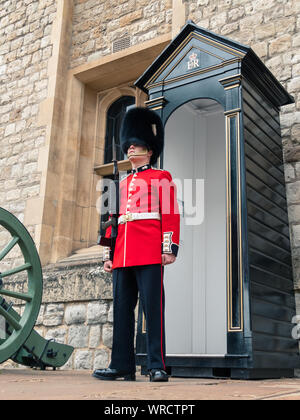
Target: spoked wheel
<point>18,328</point>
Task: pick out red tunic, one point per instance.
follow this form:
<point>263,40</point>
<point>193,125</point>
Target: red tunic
<point>142,242</point>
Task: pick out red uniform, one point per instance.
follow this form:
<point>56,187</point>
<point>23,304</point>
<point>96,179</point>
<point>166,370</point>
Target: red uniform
<point>149,219</point>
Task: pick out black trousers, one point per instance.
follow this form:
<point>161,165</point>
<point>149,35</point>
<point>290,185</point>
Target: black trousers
<point>127,282</point>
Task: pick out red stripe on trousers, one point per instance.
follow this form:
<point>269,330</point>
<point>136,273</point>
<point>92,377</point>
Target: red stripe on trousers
<point>161,318</point>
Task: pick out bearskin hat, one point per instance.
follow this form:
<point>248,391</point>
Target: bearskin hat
<point>143,127</point>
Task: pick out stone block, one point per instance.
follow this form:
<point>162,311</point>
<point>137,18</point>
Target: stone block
<point>39,320</point>
<point>274,13</point>
<point>266,31</point>
<point>152,9</point>
<point>97,313</point>
<point>57,334</point>
<point>218,20</point>
<point>17,170</point>
<point>294,85</point>
<point>78,336</point>
<point>101,359</point>
<point>107,336</point>
<point>53,315</point>
<point>83,359</point>
<point>293,192</point>
<point>280,44</point>
<point>10,129</point>
<point>13,195</point>
<point>292,153</point>
<point>289,172</point>
<point>229,28</point>
<point>261,49</point>
<point>95,336</point>
<point>296,269</point>
<point>297,169</point>
<point>296,235</point>
<point>294,213</point>
<point>110,316</point>
<point>131,17</point>
<point>75,314</point>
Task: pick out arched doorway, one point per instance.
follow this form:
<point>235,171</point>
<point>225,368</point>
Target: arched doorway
<point>195,154</point>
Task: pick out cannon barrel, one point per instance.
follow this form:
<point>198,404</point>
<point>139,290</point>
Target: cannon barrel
<point>18,340</point>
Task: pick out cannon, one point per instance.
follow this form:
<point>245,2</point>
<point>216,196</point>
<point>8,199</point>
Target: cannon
<point>18,340</point>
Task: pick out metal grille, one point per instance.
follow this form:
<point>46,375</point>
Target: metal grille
<point>121,44</point>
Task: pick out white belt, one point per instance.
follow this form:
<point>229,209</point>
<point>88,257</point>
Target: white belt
<point>130,217</point>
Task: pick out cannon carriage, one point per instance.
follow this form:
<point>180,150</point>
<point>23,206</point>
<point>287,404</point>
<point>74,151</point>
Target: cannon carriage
<point>18,340</point>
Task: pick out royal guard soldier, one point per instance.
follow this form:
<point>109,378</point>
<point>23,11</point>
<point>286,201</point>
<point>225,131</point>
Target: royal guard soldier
<point>147,240</point>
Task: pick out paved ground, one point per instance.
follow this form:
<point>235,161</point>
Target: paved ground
<point>80,385</point>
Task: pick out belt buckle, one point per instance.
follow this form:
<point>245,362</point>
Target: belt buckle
<point>128,217</point>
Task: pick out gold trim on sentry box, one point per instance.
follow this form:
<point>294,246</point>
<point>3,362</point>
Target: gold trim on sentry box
<point>183,44</point>
<point>234,114</point>
<point>193,73</point>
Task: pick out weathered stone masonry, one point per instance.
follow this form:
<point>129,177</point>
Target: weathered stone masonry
<point>77,310</point>
<point>25,49</point>
<point>98,23</point>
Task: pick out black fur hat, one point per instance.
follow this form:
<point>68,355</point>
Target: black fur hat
<point>145,128</point>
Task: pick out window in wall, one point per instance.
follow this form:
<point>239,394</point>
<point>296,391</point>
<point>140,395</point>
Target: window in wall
<point>115,115</point>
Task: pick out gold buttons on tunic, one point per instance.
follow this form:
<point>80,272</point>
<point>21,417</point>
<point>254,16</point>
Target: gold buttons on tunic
<point>131,187</point>
<point>167,242</point>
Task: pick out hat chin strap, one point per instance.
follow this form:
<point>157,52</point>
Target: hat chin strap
<point>138,154</point>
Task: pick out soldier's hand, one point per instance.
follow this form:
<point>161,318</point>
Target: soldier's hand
<point>167,259</point>
<point>108,266</point>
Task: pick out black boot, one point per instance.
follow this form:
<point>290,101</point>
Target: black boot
<point>112,374</point>
<point>158,375</point>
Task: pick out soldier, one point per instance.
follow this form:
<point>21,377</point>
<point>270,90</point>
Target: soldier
<point>148,239</point>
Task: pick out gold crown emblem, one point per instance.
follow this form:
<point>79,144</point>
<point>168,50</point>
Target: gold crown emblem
<point>193,57</point>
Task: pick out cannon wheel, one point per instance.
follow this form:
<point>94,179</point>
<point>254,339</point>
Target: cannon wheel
<point>19,327</point>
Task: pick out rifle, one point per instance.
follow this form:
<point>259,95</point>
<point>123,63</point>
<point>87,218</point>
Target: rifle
<point>114,215</point>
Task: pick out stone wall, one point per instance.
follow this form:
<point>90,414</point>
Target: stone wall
<point>87,326</point>
<point>25,50</point>
<point>98,23</point>
<point>76,310</point>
